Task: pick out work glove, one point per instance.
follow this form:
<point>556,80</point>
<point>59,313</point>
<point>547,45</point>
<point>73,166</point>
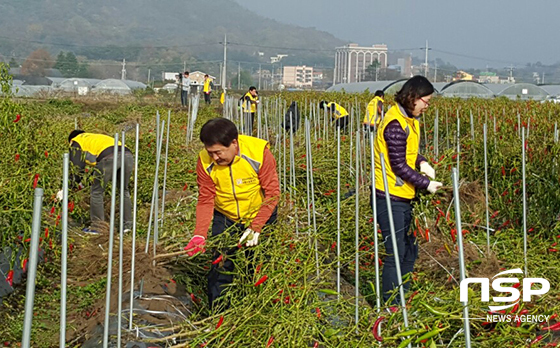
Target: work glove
<point>434,186</point>
<point>251,237</point>
<point>196,245</point>
<point>427,169</point>
<point>59,195</point>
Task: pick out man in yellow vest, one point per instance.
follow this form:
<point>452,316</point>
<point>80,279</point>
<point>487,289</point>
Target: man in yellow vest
<point>238,192</point>
<point>207,88</point>
<point>97,151</point>
<point>374,111</point>
<point>249,103</point>
<point>339,115</point>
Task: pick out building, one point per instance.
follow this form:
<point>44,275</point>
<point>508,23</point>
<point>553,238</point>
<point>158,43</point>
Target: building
<point>488,77</point>
<point>463,75</point>
<point>351,61</point>
<point>297,76</point>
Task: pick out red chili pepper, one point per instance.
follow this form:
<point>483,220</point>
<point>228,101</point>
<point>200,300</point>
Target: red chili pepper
<point>552,250</point>
<point>262,280</point>
<point>427,234</point>
<point>35,180</point>
<point>46,232</point>
<point>287,300</point>
<point>513,170</point>
<point>554,327</point>
<point>270,340</point>
<point>46,154</point>
<point>515,308</point>
<point>316,344</point>
<point>194,299</point>
<point>516,285</point>
<point>375,330</point>
<point>453,234</point>
<point>494,214</point>
<point>186,186</point>
<point>258,269</point>
<point>71,206</point>
<point>18,117</point>
<point>52,211</point>
<point>503,171</point>
<point>10,277</point>
<point>24,266</point>
<point>333,245</point>
<point>318,311</point>
<point>218,260</point>
<point>411,297</point>
<point>220,322</point>
<point>504,193</point>
<point>16,157</point>
<point>531,230</point>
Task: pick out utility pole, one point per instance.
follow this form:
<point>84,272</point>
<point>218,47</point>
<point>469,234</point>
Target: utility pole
<point>149,71</point>
<point>184,65</point>
<point>543,77</point>
<point>221,76</point>
<point>123,71</point>
<point>260,77</point>
<point>426,60</point>
<point>238,75</point>
<point>225,62</point>
<point>435,72</point>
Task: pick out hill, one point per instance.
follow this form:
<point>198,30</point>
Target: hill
<point>155,32</point>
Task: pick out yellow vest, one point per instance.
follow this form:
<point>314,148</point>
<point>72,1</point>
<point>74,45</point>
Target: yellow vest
<point>206,87</point>
<point>374,112</point>
<point>397,186</point>
<point>93,144</point>
<point>238,190</point>
<point>252,99</point>
<point>339,111</point>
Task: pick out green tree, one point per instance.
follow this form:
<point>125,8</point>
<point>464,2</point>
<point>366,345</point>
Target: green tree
<point>372,71</point>
<point>245,79</point>
<point>69,66</point>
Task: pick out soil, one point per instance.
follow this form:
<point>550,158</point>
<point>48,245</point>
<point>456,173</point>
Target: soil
<point>87,264</point>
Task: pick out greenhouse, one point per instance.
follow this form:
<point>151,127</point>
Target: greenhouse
<point>117,86</point>
<point>524,91</point>
<point>77,84</point>
<point>466,89</point>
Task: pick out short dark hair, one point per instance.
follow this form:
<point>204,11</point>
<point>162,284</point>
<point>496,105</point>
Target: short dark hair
<point>379,93</point>
<point>74,134</point>
<point>252,88</point>
<point>206,75</point>
<point>415,88</point>
<point>218,131</point>
<point>186,72</point>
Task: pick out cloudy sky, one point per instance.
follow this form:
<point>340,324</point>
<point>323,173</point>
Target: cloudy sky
<point>473,33</point>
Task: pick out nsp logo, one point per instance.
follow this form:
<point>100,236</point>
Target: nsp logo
<point>497,286</point>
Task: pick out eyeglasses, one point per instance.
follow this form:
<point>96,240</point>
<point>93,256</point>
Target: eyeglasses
<point>425,102</point>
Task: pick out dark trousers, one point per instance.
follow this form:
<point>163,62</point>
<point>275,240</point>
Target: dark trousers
<point>342,122</point>
<point>103,174</point>
<point>184,97</point>
<point>406,244</point>
<point>221,276</point>
<point>207,98</point>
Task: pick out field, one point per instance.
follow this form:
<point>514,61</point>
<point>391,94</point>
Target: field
<point>296,303</point>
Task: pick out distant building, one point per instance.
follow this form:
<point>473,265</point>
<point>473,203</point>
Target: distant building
<point>488,77</point>
<point>297,76</point>
<point>197,78</point>
<point>277,58</point>
<point>351,61</point>
<point>462,75</point>
<point>406,66</point>
<point>169,76</point>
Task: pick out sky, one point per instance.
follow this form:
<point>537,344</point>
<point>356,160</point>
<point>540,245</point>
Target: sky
<point>473,33</point>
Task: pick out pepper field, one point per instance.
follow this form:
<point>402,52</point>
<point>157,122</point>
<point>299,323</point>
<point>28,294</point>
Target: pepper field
<point>288,294</point>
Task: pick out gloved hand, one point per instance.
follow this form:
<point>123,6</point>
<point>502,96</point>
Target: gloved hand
<point>196,245</point>
<point>434,186</point>
<point>251,237</point>
<point>427,169</point>
<point>59,195</point>
<point>80,186</point>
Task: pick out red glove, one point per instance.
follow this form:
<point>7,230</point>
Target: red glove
<point>196,245</point>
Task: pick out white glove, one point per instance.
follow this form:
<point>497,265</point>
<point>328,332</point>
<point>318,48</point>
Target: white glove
<point>427,169</point>
<point>251,237</point>
<point>434,186</point>
<point>59,195</point>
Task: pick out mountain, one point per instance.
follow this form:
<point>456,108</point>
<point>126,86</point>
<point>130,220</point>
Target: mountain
<point>156,33</point>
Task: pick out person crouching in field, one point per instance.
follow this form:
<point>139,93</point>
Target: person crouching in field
<point>338,114</point>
